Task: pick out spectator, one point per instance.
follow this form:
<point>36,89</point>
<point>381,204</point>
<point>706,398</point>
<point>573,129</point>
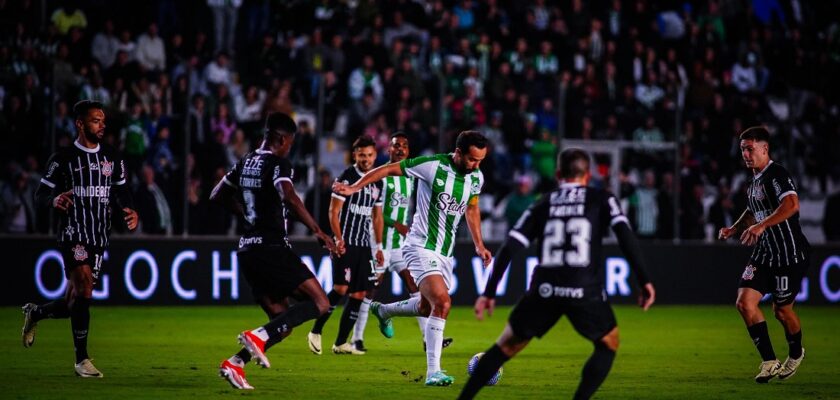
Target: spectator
<point>225,15</point>
<point>104,46</point>
<point>645,207</point>
<point>151,51</point>
<point>68,17</point>
<point>161,158</point>
<point>249,109</point>
<point>135,141</point>
<point>544,154</point>
<point>365,77</point>
<point>224,122</point>
<point>94,91</point>
<point>152,207</point>
<point>218,71</point>
<point>519,201</point>
<point>17,208</point>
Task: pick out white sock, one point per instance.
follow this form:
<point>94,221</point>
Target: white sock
<point>260,333</point>
<point>421,320</point>
<point>361,322</point>
<point>405,308</point>
<point>434,344</point>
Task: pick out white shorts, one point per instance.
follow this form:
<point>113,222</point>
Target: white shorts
<point>394,261</point>
<point>422,263</point>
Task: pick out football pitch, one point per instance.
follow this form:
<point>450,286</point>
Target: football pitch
<point>670,352</point>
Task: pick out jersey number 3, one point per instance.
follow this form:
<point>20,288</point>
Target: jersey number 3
<point>579,233</point>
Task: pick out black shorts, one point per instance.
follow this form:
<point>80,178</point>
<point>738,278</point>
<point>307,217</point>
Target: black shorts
<point>783,282</point>
<point>77,254</point>
<point>273,271</point>
<point>534,315</point>
<point>355,269</point>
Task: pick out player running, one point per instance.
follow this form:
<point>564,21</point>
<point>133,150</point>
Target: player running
<point>568,224</point>
<point>85,182</point>
<point>778,261</point>
<point>259,189</point>
<point>448,189</point>
<point>351,217</point>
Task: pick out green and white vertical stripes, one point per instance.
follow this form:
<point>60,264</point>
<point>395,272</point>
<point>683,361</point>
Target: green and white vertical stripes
<point>442,198</point>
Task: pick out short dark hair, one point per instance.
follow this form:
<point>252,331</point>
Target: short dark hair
<point>573,163</point>
<point>277,124</point>
<point>81,109</point>
<point>470,138</point>
<point>399,134</point>
<point>757,133</point>
<point>363,141</point>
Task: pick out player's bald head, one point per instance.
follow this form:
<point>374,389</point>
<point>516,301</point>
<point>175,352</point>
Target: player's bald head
<point>573,163</point>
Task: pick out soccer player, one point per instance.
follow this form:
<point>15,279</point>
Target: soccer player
<point>568,224</point>
<point>78,183</point>
<point>779,259</point>
<point>447,190</point>
<point>259,189</point>
<point>351,217</point>
<point>397,192</point>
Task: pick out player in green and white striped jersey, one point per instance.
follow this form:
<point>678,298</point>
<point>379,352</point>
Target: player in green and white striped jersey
<point>447,191</point>
<point>397,192</point>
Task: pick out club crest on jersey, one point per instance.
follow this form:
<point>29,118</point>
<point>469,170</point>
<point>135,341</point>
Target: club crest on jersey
<point>758,192</point>
<point>107,168</point>
<point>749,273</point>
<point>476,188</point>
<point>79,253</point>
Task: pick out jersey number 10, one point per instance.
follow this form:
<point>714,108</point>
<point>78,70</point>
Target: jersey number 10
<point>578,231</point>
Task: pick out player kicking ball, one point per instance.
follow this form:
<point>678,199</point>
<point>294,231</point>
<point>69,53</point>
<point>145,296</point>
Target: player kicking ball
<point>448,190</point>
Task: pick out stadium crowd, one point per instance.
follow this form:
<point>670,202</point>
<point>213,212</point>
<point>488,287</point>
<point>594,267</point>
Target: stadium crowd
<point>187,85</point>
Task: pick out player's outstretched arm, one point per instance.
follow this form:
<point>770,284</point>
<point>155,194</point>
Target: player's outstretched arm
<point>375,175</point>
<point>630,247</point>
<point>746,220</point>
<point>292,200</point>
<point>224,193</point>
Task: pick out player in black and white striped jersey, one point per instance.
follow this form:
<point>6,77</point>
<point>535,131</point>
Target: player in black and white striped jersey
<point>85,182</point>
<point>353,271</point>
<point>779,259</point>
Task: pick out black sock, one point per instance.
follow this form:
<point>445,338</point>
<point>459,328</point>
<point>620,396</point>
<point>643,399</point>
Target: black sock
<point>334,298</point>
<point>244,354</point>
<point>348,319</point>
<point>761,338</point>
<point>80,322</point>
<point>595,371</point>
<point>55,309</point>
<point>294,316</point>
<point>489,363</point>
<point>795,342</point>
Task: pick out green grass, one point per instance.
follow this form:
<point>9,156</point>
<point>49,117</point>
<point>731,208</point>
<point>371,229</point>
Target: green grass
<point>670,352</point>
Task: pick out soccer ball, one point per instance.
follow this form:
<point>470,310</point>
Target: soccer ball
<point>474,363</point>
